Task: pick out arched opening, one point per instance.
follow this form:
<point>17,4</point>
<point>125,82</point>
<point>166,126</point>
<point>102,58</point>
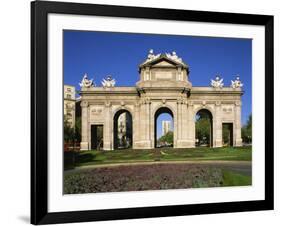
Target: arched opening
<point>204,128</point>
<point>123,129</point>
<point>163,128</point>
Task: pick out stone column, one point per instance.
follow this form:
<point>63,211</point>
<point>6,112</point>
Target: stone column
<point>143,141</point>
<point>142,120</point>
<point>107,138</point>
<point>84,145</point>
<point>184,124</point>
<point>237,132</point>
<point>190,125</point>
<point>217,126</point>
<point>175,119</point>
<point>178,125</point>
<point>184,121</point>
<point>136,124</point>
<point>148,123</point>
<point>180,122</point>
<point>178,119</point>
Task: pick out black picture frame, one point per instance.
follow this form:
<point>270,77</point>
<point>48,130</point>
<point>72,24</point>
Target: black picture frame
<point>39,112</point>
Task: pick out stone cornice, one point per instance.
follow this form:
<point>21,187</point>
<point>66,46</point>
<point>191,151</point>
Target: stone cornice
<point>216,91</point>
<point>163,89</point>
<point>135,91</point>
<point>109,91</point>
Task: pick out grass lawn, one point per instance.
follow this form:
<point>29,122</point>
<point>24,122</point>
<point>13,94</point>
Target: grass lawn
<point>95,157</point>
<point>234,179</point>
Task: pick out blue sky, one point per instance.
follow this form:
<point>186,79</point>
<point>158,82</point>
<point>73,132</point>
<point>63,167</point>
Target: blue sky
<point>119,54</point>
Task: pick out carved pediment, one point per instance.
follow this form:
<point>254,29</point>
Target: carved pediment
<point>164,63</point>
<point>163,70</point>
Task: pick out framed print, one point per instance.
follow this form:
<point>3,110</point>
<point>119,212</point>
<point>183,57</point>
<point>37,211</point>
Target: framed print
<point>144,112</point>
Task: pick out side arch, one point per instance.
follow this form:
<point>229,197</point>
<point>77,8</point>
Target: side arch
<point>122,129</point>
<point>120,108</point>
<point>202,108</point>
<point>204,119</point>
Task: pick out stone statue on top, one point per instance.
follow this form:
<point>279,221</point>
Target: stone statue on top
<point>108,82</point>
<point>87,83</point>
<point>236,83</point>
<point>217,83</point>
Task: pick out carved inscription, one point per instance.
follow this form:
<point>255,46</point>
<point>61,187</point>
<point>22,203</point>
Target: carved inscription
<point>227,110</point>
<point>96,114</point>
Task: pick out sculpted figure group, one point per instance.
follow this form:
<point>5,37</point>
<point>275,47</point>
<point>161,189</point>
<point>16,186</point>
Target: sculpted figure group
<point>218,82</point>
<point>110,82</point>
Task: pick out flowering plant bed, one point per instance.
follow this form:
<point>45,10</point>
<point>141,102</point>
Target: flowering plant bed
<point>156,177</point>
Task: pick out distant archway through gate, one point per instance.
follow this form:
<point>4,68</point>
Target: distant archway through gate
<point>167,126</point>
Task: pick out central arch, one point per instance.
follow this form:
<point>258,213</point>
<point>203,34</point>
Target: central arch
<point>160,111</point>
<point>123,129</point>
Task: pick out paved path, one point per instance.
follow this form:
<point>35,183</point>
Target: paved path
<point>243,167</point>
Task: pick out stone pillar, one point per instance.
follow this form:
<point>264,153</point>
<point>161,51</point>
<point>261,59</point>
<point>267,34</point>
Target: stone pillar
<point>180,122</point>
<point>178,125</point>
<point>184,121</point>
<point>237,132</point>
<point>148,123</point>
<point>190,125</point>
<point>136,125</point>
<point>144,141</point>
<point>84,145</point>
<point>108,123</point>
<point>186,126</point>
<point>217,126</point>
<point>142,121</point>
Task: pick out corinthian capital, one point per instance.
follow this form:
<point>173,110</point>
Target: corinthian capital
<point>84,104</point>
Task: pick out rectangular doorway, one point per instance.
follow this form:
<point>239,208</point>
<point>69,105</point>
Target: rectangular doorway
<point>227,134</point>
<point>97,137</point>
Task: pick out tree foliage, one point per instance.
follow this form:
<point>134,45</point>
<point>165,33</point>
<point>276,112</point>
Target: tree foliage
<point>203,130</point>
<point>69,132</point>
<point>167,138</point>
<point>246,131</point>
<point>78,129</point>
<point>72,134</point>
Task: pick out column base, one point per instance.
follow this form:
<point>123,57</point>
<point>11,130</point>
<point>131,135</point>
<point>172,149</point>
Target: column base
<point>184,144</point>
<point>145,144</point>
<point>217,144</point>
<point>84,146</point>
<point>238,143</point>
<point>107,146</point>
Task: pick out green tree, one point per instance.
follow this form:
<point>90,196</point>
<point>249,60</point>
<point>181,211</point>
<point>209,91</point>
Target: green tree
<point>249,123</point>
<point>203,129</point>
<point>168,137</point>
<point>246,131</point>
<point>69,132</point>
<point>78,129</point>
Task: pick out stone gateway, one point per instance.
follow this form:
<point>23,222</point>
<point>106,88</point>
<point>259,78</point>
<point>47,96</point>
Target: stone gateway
<point>163,86</point>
